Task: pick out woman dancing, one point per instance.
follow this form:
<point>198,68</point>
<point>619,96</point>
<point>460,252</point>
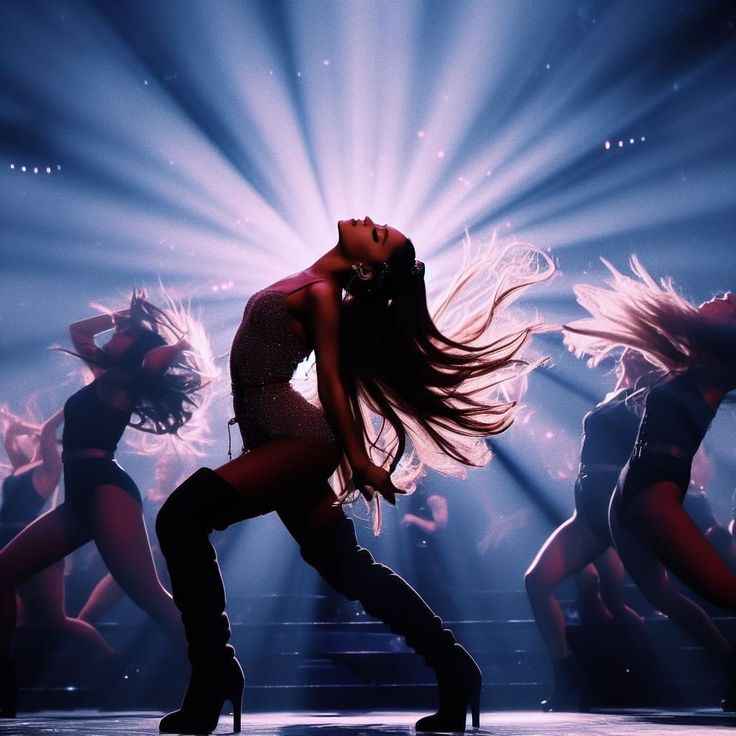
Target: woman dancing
<point>696,346</point>
<point>145,376</point>
<point>384,371</point>
<point>609,434</point>
<point>35,459</point>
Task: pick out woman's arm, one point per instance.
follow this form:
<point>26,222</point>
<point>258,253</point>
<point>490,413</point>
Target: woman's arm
<point>426,525</point>
<point>46,476</point>
<point>323,310</point>
<point>159,359</point>
<point>14,430</point>
<point>83,333</point>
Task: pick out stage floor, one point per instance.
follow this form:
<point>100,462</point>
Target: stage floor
<point>504,723</point>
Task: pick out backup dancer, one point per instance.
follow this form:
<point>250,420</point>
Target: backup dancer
<point>145,375</point>
<point>609,434</point>
<point>696,347</point>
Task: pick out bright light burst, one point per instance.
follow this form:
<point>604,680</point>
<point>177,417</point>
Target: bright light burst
<point>214,145</point>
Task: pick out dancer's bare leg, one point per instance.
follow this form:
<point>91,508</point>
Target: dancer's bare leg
<point>120,535</point>
<point>569,549</point>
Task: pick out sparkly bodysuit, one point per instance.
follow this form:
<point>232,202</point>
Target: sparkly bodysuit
<point>264,355</point>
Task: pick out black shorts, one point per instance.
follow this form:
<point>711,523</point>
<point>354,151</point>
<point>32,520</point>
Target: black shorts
<point>592,496</point>
<point>81,477</point>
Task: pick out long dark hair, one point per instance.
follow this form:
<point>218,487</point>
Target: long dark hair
<point>444,387</point>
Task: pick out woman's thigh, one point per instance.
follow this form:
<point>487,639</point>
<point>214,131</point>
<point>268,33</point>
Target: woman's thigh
<point>286,474</point>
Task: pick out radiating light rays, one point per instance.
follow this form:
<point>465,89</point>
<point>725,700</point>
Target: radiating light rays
<point>214,145</point>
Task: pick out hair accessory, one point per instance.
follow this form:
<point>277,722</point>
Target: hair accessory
<point>417,270</point>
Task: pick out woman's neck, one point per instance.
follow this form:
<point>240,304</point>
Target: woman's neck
<point>332,266</point>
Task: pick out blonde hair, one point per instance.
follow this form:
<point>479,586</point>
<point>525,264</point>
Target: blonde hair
<point>640,313</point>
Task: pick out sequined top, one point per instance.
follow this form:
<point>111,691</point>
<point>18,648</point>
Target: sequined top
<point>265,349</point>
<point>263,358</point>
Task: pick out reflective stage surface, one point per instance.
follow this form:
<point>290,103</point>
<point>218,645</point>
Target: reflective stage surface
<point>501,723</point>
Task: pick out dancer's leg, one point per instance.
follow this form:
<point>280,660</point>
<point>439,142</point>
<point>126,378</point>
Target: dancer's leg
<point>612,579</point>
<point>105,594</point>
<point>47,540</point>
<point>569,549</point>
<point>249,486</point>
<point>42,601</point>
<point>656,535</point>
<point>328,543</point>
<point>117,526</point>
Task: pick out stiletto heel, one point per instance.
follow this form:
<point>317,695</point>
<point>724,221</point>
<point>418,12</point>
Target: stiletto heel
<point>209,689</point>
<point>237,703</point>
<point>459,681</point>
<point>475,708</point>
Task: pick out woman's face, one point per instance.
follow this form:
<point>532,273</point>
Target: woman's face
<point>720,308</point>
<point>363,241</point>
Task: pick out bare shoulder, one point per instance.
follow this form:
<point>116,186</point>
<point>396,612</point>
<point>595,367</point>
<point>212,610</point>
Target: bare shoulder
<point>327,290</point>
<point>323,300</point>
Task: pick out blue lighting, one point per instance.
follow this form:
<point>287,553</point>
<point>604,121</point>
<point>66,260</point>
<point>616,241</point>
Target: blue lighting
<point>213,146</point>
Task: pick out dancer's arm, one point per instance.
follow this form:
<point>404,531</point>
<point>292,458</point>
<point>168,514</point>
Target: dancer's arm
<point>323,305</point>
<point>83,333</point>
<point>46,476</point>
<point>426,525</point>
<point>14,430</point>
<point>159,359</point>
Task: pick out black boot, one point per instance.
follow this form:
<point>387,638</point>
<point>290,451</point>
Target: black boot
<point>571,692</point>
<point>202,503</point>
<point>334,552</point>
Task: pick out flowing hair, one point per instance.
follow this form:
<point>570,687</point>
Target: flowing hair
<point>428,386</point>
<point>164,404</point>
<point>646,315</point>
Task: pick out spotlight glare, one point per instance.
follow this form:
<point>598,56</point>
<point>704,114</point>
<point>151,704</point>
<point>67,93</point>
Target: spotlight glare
<point>440,154</point>
<point>48,169</point>
<point>12,166</point>
<point>620,144</point>
<point>607,145</point>
<point>23,168</point>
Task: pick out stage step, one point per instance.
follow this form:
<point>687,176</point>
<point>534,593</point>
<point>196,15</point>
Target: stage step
<point>358,663</point>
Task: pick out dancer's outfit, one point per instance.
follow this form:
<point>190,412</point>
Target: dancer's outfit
<point>92,430</point>
<point>676,418</point>
<point>264,355</point>
<point>610,430</point>
<point>21,504</point>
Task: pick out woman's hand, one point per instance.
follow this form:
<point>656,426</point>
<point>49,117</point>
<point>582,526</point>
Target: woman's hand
<point>371,479</point>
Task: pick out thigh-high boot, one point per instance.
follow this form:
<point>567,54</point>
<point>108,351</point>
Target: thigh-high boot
<point>333,550</point>
<point>200,504</point>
